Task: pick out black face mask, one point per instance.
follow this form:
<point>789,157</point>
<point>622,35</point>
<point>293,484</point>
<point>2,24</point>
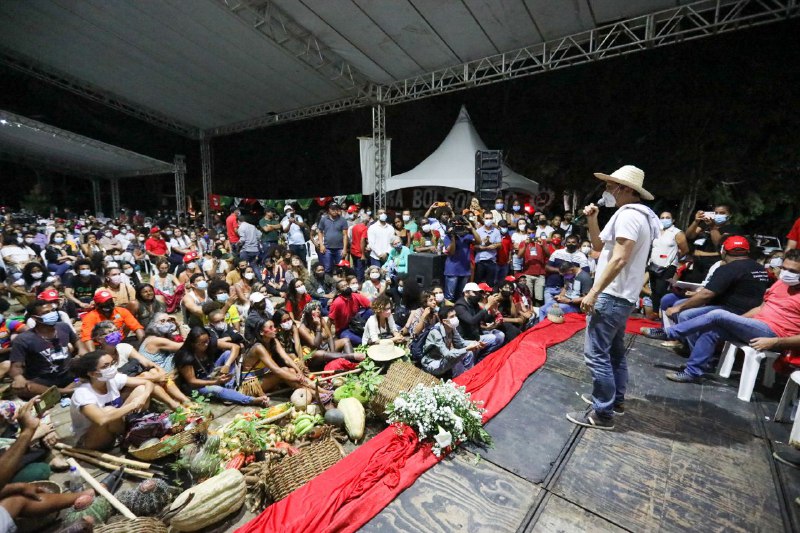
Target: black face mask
<point>106,309</point>
<point>260,306</point>
<point>572,247</point>
<point>474,299</point>
<point>320,275</point>
<point>346,292</point>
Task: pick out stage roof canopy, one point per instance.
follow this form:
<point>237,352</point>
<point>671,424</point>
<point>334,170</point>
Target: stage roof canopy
<point>31,142</point>
<point>218,65</point>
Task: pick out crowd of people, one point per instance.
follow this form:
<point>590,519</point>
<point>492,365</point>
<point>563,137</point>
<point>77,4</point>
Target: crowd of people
<point>118,313</point>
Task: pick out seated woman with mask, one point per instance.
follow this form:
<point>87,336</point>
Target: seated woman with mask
<point>159,344</point>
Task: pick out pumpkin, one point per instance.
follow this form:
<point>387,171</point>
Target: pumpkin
<point>214,499</point>
<point>95,509</point>
<point>148,498</point>
<point>206,463</point>
<point>334,417</point>
<point>354,417</point>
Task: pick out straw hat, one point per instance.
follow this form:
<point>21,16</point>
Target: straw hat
<point>629,176</point>
<point>385,350</point>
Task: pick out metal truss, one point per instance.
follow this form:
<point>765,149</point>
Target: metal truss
<point>684,23</point>
<point>180,184</point>
<point>115,197</point>
<point>98,202</point>
<point>379,142</point>
<point>83,88</point>
<point>207,170</point>
<point>269,20</point>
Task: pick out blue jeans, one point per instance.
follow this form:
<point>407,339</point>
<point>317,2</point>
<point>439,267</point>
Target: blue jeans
<point>330,259</point>
<point>485,272</point>
<point>59,269</point>
<point>227,392</point>
<point>355,340</point>
<point>500,275</point>
<point>359,265</point>
<point>724,325</point>
<point>493,340</point>
<point>299,250</point>
<point>550,294</point>
<point>375,262</point>
<point>604,352</point>
<point>701,344</point>
<point>454,286</point>
<point>668,300</point>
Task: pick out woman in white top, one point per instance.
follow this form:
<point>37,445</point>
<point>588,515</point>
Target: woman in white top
<point>16,254</point>
<point>374,284</point>
<point>103,400</point>
<point>381,324</point>
<point>667,250</point>
<point>519,237</point>
<point>179,245</point>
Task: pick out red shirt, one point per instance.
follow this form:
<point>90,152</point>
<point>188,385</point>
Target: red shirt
<point>343,309</point>
<point>534,259</point>
<point>503,253</point>
<point>781,310</point>
<point>156,246</point>
<point>794,233</point>
<point>357,232</point>
<point>231,224</point>
<point>297,313</point>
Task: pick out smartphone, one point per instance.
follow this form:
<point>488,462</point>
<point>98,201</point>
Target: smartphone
<point>47,400</point>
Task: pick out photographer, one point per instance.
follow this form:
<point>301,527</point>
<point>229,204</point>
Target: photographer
<point>457,268</point>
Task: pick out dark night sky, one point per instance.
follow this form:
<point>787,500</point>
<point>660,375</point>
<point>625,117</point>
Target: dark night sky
<point>723,108</point>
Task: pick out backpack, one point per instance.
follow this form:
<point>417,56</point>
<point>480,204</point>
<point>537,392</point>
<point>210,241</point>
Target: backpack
<point>417,346</point>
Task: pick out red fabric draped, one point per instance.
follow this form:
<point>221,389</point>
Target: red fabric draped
<point>390,462</point>
<point>635,323</point>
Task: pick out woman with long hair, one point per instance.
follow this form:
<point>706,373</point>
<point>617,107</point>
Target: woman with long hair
<point>318,336</point>
<point>267,359</point>
<point>381,324</point>
<point>297,298</point>
<point>150,304</point>
<point>59,254</point>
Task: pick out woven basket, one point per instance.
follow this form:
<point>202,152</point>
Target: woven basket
<point>143,524</point>
<point>293,472</point>
<point>401,377</point>
<point>172,444</point>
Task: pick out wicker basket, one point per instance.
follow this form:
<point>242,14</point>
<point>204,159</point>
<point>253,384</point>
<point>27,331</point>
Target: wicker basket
<point>172,444</point>
<point>401,377</point>
<point>143,524</point>
<point>293,472</point>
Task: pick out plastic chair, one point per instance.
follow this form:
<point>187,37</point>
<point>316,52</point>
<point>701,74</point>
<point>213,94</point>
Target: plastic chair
<point>752,362</point>
<point>790,395</point>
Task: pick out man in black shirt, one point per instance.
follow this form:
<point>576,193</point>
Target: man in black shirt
<point>737,286</point>
<point>40,356</point>
<point>81,288</point>
<point>476,323</point>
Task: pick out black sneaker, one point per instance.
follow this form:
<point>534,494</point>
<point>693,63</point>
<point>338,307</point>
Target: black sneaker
<point>683,377</point>
<point>654,333</point>
<point>590,419</point>
<point>619,407</point>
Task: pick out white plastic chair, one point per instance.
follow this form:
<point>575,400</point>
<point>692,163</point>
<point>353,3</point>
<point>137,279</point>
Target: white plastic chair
<point>752,362</point>
<point>790,395</point>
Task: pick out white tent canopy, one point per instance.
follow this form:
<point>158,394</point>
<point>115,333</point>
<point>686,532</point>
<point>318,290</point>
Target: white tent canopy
<point>452,164</point>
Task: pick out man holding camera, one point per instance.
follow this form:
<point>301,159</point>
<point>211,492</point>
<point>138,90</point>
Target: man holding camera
<point>457,268</point>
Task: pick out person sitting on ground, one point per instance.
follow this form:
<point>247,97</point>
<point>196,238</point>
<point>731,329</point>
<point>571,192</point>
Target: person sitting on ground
<point>149,304</point>
<point>130,362</point>
<point>374,284</point>
<point>268,360</point>
<point>381,324</point>
<point>445,350</point>
<point>129,275</point>
<point>219,294</point>
<point>15,253</point>
<point>554,282</point>
<point>112,247</point>
<point>777,317</point>
<point>9,329</point>
<point>123,293</point>
<point>191,265</point>
<point>297,298</point>
<point>199,369</point>
<point>397,261</point>
<point>577,284</point>
<point>164,281</point>
<point>261,309</point>
<point>81,288</point>
<point>25,500</point>
<point>321,286</point>
<point>288,336</point>
<point>513,314</point>
<point>59,254</point>
<point>218,326</point>
<point>105,397</point>
<point>192,302</point>
<point>344,307</point>
<point>423,317</point>
<point>317,337</point>
<point>25,288</point>
<point>106,309</point>
<point>160,344</point>
<point>40,356</point>
<point>478,323</point>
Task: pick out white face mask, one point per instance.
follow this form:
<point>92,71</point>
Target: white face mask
<point>114,279</point>
<point>522,227</point>
<point>108,234</point>
<point>220,326</point>
<point>406,218</point>
<point>129,271</point>
<point>37,275</point>
<point>488,222</point>
<point>426,228</point>
<point>286,325</point>
<point>354,287</point>
<point>607,200</point>
<point>439,297</point>
<point>453,322</point>
<point>301,289</point>
<point>107,374</point>
<point>249,275</point>
<point>191,266</point>
<point>374,275</point>
<point>382,217</point>
<point>586,249</point>
<point>789,278</point>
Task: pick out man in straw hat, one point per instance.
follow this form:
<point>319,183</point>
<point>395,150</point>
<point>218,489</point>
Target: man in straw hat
<point>624,245</point>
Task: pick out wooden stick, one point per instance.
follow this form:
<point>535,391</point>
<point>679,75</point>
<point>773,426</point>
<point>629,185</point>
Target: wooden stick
<point>327,378</point>
<point>321,372</point>
<point>106,456</point>
<point>101,490</point>
<point>108,466</point>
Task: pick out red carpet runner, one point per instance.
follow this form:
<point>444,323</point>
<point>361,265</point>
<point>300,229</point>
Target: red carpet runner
<point>356,488</point>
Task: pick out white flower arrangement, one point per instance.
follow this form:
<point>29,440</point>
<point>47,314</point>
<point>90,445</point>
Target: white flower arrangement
<point>444,413</point>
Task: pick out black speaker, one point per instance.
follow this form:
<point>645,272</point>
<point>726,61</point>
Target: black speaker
<point>424,268</point>
<point>488,159</point>
<point>488,174</point>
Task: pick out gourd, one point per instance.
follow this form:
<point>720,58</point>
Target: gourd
<point>354,417</point>
<point>206,463</point>
<point>95,509</point>
<point>149,498</point>
<point>300,398</point>
<point>334,417</point>
<point>214,499</point>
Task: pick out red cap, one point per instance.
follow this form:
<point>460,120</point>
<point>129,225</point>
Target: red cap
<point>50,295</point>
<point>343,263</point>
<point>529,209</point>
<point>510,278</point>
<point>352,209</point>
<point>736,242</point>
<point>188,257</point>
<point>484,287</point>
<point>154,229</point>
<point>102,296</point>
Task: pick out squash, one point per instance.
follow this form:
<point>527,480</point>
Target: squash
<point>214,499</point>
<point>354,417</point>
<point>91,508</point>
<point>301,398</point>
<point>149,498</point>
<point>334,417</point>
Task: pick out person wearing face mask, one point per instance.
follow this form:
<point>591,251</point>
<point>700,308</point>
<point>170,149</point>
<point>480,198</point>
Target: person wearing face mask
<point>375,283</point>
<point>358,244</point>
<point>773,265</point>
<point>15,254</point>
<point>218,327</point>
<point>566,224</point>
<point>297,298</point>
<point>159,344</point>
<point>381,324</point>
<point>129,275</point>
<point>29,238</point>
<point>477,319</point>
<point>80,288</point>
<point>569,254</point>
<point>123,293</point>
<point>103,400</point>
<point>397,261</point>
<point>499,212</point>
<point>426,240</point>
<point>379,240</point>
<point>112,247</point>
<point>191,266</point>
<point>59,255</point>
<point>332,235</point>
<point>486,246</point>
<point>321,286</point>
<point>320,344</point>
<point>706,233</point>
<point>667,250</point>
<point>344,307</point>
<point>261,309</point>
<point>270,228</point>
<point>150,304</point>
<point>40,356</point>
<point>106,309</point>
<point>445,350</point>
<point>219,297</point>
<point>586,249</point>
<point>504,253</point>
<point>294,226</point>
<point>155,246</point>
<point>192,302</point>
<point>624,245</point>
<point>517,213</point>
<point>577,283</point>
<point>25,288</point>
<point>518,238</point>
<point>534,256</point>
<point>543,228</point>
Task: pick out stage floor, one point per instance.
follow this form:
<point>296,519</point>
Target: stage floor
<point>683,457</point>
